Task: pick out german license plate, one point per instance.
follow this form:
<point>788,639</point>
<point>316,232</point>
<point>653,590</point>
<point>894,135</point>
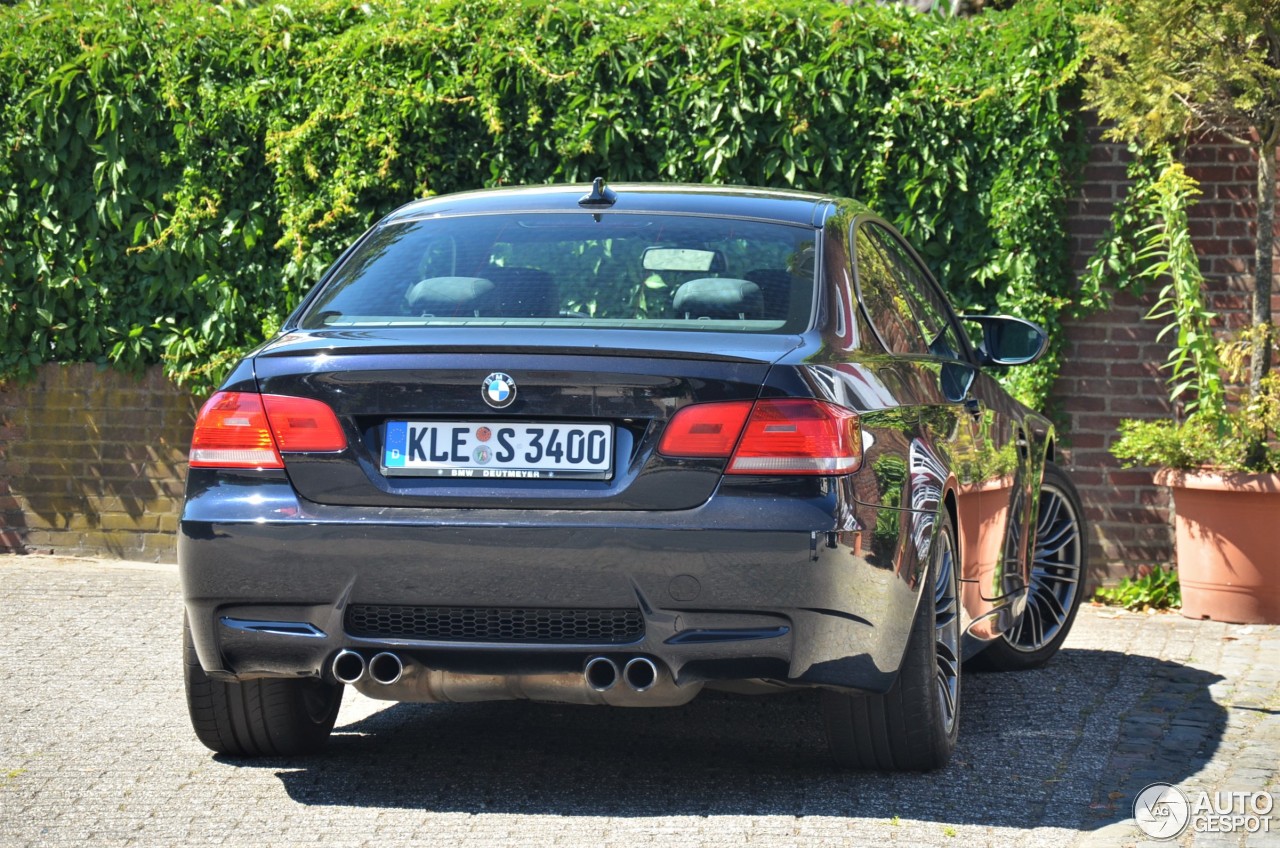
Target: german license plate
<point>498,449</point>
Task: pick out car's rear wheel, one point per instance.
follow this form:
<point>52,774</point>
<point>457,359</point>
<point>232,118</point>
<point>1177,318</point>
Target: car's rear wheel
<point>913,726</point>
<point>257,718</point>
<point>1057,570</point>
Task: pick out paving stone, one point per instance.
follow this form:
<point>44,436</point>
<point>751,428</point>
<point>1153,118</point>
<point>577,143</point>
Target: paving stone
<point>101,753</point>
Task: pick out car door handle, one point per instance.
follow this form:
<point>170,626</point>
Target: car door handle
<point>973,406</point>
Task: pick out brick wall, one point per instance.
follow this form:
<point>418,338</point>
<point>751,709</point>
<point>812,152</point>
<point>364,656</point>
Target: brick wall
<point>93,462</point>
<point>1112,360</point>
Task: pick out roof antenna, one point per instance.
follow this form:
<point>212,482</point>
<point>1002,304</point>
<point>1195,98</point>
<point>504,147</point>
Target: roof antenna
<point>601,195</point>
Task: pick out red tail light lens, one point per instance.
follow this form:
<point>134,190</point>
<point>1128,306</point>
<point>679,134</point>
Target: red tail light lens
<point>705,429</point>
<point>243,430</point>
<point>302,424</point>
<point>232,432</point>
<point>797,436</point>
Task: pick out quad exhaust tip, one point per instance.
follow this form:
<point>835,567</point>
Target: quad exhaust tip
<point>348,666</point>
<point>601,673</point>
<point>386,668</point>
<point>640,674</point>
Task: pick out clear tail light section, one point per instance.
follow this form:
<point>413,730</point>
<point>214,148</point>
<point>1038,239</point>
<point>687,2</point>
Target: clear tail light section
<point>768,437</point>
<point>248,430</point>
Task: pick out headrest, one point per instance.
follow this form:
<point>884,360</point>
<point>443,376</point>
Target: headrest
<point>719,297</point>
<point>449,295</point>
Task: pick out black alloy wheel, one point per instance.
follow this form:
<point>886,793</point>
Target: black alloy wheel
<point>1057,572</point>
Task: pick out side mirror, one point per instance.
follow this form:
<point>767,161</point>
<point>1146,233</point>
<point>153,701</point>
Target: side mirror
<point>1009,341</point>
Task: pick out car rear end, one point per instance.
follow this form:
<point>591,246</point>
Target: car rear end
<point>514,447</point>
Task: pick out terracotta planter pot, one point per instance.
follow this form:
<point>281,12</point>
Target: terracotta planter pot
<point>1228,542</point>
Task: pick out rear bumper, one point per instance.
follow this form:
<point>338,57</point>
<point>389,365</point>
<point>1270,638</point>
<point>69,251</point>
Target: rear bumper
<point>744,587</point>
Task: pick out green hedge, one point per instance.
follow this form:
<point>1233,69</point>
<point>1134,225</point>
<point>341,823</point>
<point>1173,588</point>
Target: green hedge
<point>173,176</point>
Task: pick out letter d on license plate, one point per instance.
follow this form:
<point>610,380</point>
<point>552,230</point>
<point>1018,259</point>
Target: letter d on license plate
<point>499,449</point>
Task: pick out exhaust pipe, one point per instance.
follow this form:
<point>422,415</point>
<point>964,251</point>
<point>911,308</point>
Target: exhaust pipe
<point>386,668</point>
<point>601,673</point>
<point>348,666</point>
<point>640,674</point>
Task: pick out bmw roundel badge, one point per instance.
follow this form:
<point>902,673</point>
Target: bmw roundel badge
<point>498,390</point>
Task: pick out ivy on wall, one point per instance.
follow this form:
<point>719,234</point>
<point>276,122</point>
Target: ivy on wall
<point>174,176</point>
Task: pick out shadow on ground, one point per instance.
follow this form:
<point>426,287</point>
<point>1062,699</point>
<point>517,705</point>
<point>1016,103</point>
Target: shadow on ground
<point>1056,747</point>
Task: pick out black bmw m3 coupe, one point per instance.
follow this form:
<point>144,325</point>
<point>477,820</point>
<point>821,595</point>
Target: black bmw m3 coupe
<point>615,445</point>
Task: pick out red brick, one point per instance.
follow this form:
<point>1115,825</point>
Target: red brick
<point>1202,228</point>
<point>1232,152</point>
<point>1214,247</point>
<point>1095,458</point>
<point>1131,477</point>
<point>1227,300</point>
<point>1087,440</point>
<point>1099,515</point>
<point>1104,386</point>
<point>1153,497</point>
<point>1074,368</point>
<point>1084,478</point>
<point>1242,192</point>
<point>1121,368</point>
<point>1148,554</point>
<point>1104,423</point>
<point>1154,533</point>
<point>1091,330</point>
<point>1137,329</point>
<point>1212,173</point>
<point>1090,227</point>
<point>1137,515</point>
<point>1075,404</point>
<point>1105,352</point>
<point>1141,406</point>
<point>1200,153</point>
<point>1157,351</point>
<point>1102,173</point>
<point>1112,531</point>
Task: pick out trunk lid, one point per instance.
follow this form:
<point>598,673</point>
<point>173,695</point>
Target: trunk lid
<point>567,385</point>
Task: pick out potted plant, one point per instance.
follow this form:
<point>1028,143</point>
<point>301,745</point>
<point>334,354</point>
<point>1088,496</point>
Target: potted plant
<point>1163,71</point>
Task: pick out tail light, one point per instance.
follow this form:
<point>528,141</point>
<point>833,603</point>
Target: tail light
<point>302,424</point>
<point>798,437</point>
<point>768,437</point>
<point>248,430</point>
<point>705,429</point>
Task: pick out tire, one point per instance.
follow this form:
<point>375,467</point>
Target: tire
<point>258,718</point>
<point>913,726</point>
<point>1060,564</point>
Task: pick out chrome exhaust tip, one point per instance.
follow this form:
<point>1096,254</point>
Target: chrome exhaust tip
<point>641,674</point>
<point>601,673</point>
<point>348,666</point>
<point>386,668</point>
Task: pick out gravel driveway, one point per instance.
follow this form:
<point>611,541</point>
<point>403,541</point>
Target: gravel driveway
<point>95,747</point>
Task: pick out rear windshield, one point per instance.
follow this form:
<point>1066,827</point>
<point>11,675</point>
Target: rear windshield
<point>622,270</point>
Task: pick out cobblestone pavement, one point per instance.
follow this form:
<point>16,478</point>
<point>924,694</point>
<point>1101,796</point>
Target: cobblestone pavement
<point>95,748</point>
